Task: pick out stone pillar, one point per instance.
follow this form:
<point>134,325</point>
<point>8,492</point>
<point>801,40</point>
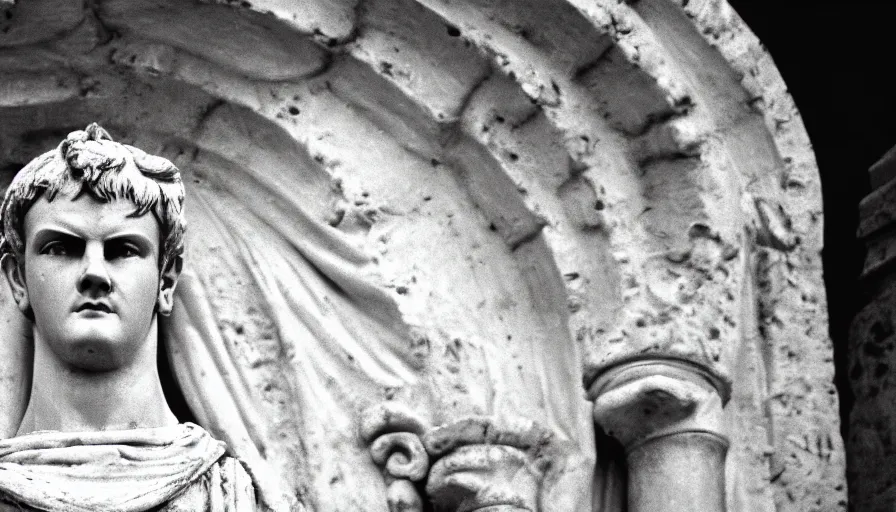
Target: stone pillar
<point>667,414</point>
<point>871,454</point>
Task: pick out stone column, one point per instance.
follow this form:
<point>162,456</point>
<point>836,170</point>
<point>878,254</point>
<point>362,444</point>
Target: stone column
<point>667,414</point>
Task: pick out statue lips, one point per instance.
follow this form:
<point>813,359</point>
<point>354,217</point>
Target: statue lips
<point>94,308</point>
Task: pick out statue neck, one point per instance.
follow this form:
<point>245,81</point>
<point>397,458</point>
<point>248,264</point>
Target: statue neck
<point>68,399</point>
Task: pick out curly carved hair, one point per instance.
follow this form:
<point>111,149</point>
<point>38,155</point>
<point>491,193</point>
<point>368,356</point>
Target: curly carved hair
<point>90,161</point>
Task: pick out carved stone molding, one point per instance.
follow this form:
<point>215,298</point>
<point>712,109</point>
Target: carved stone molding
<point>486,465</point>
<point>481,464</point>
<point>667,414</point>
<point>484,477</point>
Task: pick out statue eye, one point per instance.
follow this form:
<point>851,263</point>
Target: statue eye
<point>118,249</point>
<point>55,249</point>
<point>59,247</point>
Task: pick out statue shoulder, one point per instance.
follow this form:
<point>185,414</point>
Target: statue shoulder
<point>225,487</point>
<point>61,471</point>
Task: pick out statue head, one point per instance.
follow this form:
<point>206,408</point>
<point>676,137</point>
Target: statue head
<point>85,260</point>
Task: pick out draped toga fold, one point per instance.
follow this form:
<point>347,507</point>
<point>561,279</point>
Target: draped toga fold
<point>178,468</point>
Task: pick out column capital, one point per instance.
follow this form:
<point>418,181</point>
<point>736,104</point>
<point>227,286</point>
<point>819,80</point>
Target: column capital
<point>642,400</point>
<point>667,414</point>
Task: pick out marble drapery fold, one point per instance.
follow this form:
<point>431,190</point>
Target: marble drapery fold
<point>285,329</point>
<point>121,471</point>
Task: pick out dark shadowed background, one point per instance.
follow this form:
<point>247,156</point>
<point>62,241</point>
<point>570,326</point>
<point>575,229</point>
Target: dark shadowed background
<point>837,59</point>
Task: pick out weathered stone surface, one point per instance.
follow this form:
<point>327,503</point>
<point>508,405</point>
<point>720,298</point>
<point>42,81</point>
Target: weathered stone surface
<point>24,23</point>
<point>469,208</point>
<point>871,343</point>
<point>274,52</point>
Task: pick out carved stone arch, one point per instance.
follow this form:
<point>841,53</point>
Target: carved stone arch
<point>467,207</point>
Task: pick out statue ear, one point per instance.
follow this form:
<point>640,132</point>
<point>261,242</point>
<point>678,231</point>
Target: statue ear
<point>16,281</point>
<point>167,283</point>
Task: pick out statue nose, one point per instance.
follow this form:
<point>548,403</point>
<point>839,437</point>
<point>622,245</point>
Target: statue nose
<point>95,276</point>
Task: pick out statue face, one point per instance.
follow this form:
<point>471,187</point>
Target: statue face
<point>91,277</point>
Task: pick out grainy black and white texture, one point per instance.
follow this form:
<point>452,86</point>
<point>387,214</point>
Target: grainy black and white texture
<point>470,209</point>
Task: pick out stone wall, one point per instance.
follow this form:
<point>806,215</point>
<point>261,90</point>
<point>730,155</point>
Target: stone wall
<point>471,209</point>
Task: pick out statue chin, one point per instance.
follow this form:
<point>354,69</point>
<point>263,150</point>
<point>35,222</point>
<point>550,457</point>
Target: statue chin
<point>94,351</point>
<point>98,344</point>
<point>91,356</point>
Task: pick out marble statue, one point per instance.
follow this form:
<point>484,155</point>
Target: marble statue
<point>561,257</point>
<point>93,241</point>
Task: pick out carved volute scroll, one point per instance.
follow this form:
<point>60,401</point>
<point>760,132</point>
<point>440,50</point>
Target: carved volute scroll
<point>393,433</point>
<point>471,464</point>
<point>475,209</point>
